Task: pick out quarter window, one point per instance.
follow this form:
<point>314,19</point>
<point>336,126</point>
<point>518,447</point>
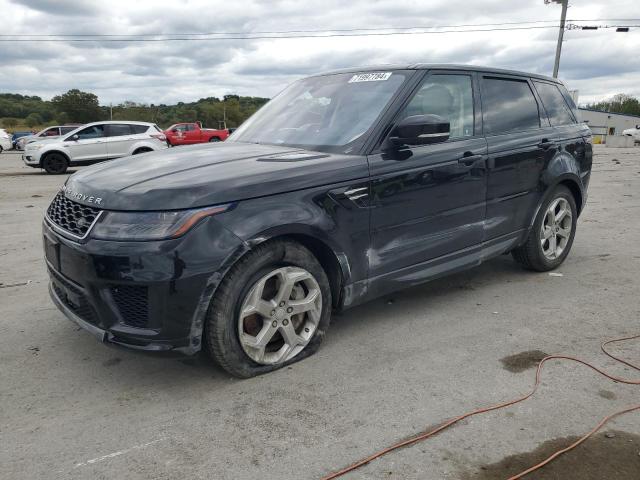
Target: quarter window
<point>139,128</point>
<point>508,106</point>
<point>554,104</point>
<point>448,96</point>
<point>95,131</point>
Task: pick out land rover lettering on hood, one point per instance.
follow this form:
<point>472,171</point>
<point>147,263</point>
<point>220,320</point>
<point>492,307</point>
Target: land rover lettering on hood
<point>344,187</point>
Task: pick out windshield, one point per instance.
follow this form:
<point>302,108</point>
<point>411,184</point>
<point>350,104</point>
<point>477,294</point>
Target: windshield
<point>331,112</point>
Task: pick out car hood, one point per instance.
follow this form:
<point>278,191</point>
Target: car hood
<point>208,174</point>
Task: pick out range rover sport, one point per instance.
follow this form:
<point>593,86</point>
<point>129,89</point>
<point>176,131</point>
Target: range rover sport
<point>344,187</point>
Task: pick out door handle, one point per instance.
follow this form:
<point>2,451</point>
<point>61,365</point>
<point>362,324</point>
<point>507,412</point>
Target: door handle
<point>469,160</point>
<point>546,144</point>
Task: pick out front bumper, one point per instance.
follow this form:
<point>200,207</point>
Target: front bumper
<point>150,296</point>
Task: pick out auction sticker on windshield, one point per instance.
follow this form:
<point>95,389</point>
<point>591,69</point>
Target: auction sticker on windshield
<point>370,77</point>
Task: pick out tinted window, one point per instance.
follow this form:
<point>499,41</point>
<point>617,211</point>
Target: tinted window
<point>450,97</point>
<point>139,128</point>
<point>118,130</point>
<point>95,131</point>
<point>554,104</point>
<point>64,130</point>
<point>50,132</point>
<point>190,128</point>
<point>508,106</point>
<point>570,102</point>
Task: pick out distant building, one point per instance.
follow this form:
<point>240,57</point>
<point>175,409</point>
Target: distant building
<point>603,124</point>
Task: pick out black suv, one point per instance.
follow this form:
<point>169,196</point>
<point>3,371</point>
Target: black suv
<point>344,187</point>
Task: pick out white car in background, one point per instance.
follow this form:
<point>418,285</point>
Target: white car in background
<point>633,132</point>
<point>92,143</point>
<point>49,132</point>
<point>5,140</point>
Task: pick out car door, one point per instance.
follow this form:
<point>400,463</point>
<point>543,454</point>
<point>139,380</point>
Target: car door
<point>428,201</point>
<point>119,138</point>
<point>89,144</point>
<point>191,134</point>
<point>520,142</point>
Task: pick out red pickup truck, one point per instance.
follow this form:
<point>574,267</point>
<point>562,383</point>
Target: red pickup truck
<point>190,133</point>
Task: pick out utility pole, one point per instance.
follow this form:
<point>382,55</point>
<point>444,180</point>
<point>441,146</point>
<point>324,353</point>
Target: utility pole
<point>111,111</point>
<point>563,18</point>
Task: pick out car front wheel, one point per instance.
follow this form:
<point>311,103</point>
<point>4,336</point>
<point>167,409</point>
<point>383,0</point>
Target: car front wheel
<point>272,309</point>
<point>552,235</point>
<point>55,163</point>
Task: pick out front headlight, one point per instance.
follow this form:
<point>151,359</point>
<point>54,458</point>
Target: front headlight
<point>139,226</point>
<point>34,146</point>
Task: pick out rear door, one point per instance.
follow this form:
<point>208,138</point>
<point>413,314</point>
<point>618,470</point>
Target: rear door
<point>89,146</point>
<point>520,142</point>
<point>120,139</point>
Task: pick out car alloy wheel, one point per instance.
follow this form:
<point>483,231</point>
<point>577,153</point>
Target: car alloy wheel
<point>555,231</point>
<point>279,315</point>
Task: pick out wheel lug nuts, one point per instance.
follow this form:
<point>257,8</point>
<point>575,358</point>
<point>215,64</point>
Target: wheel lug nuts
<point>285,322</point>
<point>282,304</point>
<point>306,329</point>
<point>290,309</point>
<point>273,312</point>
<point>274,324</point>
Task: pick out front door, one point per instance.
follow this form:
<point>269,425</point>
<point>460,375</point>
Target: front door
<point>428,201</point>
<point>90,144</point>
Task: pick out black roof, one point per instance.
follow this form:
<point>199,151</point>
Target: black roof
<point>441,66</point>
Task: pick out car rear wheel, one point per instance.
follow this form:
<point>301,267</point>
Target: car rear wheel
<point>55,163</point>
<point>272,309</point>
<point>214,139</point>
<point>552,235</point>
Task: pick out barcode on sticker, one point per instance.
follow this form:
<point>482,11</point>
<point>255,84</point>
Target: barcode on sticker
<point>370,77</point>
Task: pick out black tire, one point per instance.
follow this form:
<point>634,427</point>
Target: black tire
<point>530,254</point>
<point>1,149</point>
<point>221,327</point>
<point>55,163</point>
<point>214,139</point>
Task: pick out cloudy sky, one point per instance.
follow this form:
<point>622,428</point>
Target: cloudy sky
<point>598,63</point>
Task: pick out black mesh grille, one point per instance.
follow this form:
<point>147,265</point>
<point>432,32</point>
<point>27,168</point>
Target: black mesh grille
<point>71,216</point>
<point>132,303</point>
<point>76,301</point>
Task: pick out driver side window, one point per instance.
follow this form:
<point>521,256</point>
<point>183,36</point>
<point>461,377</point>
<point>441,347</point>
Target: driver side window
<point>448,96</point>
<point>95,131</point>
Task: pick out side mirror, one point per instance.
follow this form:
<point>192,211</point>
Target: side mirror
<point>174,130</point>
<point>420,130</point>
<point>75,137</point>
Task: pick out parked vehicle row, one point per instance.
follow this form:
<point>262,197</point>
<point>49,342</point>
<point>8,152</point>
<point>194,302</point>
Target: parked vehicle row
<point>345,187</point>
<point>92,143</point>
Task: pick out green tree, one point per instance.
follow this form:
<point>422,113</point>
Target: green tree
<point>620,103</point>
<point>79,106</point>
<point>32,120</point>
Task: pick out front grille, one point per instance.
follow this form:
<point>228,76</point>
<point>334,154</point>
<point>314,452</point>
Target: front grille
<point>70,216</point>
<point>78,303</point>
<point>132,303</point>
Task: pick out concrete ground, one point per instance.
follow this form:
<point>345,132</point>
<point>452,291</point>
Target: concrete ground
<point>73,408</point>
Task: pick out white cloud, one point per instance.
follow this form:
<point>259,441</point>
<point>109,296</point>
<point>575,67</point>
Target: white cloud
<point>598,63</point>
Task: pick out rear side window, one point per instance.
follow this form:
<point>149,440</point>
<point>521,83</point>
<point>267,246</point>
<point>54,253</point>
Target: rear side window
<point>508,106</point>
<point>67,129</point>
<point>118,130</point>
<point>139,128</point>
<point>554,104</point>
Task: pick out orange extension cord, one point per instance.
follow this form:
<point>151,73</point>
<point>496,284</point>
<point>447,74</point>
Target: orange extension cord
<point>425,435</point>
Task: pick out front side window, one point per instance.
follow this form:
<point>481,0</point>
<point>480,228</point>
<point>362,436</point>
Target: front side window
<point>508,106</point>
<point>118,130</point>
<point>557,109</point>
<point>50,132</point>
<point>95,131</point>
<point>448,96</point>
<point>326,113</point>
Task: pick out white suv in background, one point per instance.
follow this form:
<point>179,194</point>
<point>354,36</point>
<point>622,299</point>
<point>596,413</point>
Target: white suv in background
<point>633,132</point>
<point>5,140</point>
<point>92,143</point>
<point>49,132</point>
